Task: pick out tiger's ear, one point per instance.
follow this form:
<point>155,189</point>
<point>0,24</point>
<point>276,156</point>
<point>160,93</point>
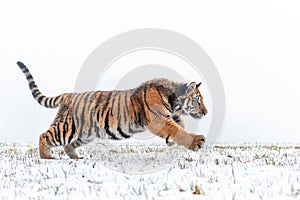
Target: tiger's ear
<point>198,84</point>
<point>190,88</point>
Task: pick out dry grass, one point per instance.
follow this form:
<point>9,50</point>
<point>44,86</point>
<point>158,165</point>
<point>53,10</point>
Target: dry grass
<point>225,171</point>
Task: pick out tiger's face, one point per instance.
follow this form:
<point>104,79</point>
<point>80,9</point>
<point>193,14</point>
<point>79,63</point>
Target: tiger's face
<point>192,102</point>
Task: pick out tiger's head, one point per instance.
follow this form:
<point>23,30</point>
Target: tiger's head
<point>191,102</point>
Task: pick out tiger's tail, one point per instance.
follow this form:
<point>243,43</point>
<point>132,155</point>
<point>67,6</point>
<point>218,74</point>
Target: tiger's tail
<point>48,102</point>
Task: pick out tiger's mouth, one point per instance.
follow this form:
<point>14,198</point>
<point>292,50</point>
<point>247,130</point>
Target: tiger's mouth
<point>197,115</point>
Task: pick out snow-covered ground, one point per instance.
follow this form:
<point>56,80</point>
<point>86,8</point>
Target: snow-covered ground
<point>126,171</point>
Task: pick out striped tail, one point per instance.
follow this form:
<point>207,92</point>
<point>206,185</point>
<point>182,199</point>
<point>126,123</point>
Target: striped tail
<point>48,102</point>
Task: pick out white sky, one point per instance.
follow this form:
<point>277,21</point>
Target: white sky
<point>255,47</point>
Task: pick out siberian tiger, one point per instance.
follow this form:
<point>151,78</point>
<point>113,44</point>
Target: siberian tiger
<point>156,105</point>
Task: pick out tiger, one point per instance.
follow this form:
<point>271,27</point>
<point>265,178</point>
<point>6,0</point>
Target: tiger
<point>156,105</point>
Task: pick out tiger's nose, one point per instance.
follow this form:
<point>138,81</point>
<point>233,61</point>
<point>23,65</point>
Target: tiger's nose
<point>204,112</point>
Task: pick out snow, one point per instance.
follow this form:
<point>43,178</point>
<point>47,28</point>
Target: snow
<point>130,171</point>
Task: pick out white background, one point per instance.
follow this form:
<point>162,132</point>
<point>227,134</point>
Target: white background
<point>255,46</point>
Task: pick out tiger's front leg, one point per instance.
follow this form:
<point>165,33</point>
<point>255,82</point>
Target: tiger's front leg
<point>178,119</point>
<point>168,128</point>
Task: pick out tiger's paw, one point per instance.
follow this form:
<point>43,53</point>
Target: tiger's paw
<point>169,142</point>
<point>46,154</point>
<point>197,143</point>
<point>47,157</point>
<point>77,157</point>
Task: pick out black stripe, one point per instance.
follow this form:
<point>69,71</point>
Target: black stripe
<point>131,101</point>
<point>178,108</point>
<point>73,131</point>
<point>166,106</point>
<point>35,93</point>
<point>25,70</point>
<point>32,85</point>
<point>112,103</point>
<point>125,112</point>
<point>119,115</point>
<point>106,127</point>
<point>77,143</point>
<point>73,144</point>
<point>140,119</point>
<point>52,138</point>
<point>29,77</point>
<point>65,130</point>
<point>55,134</point>
<point>130,130</point>
<point>82,117</point>
<point>172,101</point>
<point>58,134</point>
<point>167,139</point>
<point>98,101</point>
<point>97,107</point>
<point>76,104</point>
<point>152,111</point>
<point>22,67</point>
<point>97,131</point>
<point>122,133</point>
<point>46,102</point>
<point>147,103</point>
<point>54,100</point>
<point>164,103</point>
<point>98,115</point>
<point>119,119</point>
<point>50,102</point>
<point>40,99</point>
<point>91,111</point>
<point>106,104</point>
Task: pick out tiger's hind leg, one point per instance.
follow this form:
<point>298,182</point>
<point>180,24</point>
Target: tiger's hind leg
<point>71,149</point>
<point>46,142</point>
<point>56,135</point>
<point>44,147</point>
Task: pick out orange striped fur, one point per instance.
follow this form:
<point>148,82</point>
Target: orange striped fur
<point>156,105</point>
